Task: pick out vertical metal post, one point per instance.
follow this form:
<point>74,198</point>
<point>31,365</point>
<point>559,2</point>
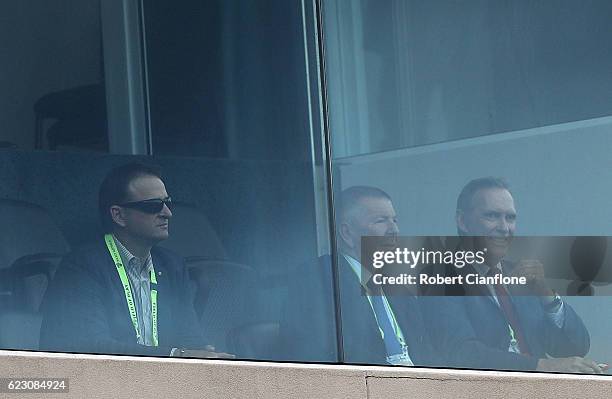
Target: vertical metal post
<point>124,76</point>
<point>317,80</point>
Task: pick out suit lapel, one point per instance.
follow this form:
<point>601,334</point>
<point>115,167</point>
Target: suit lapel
<point>526,307</point>
<point>115,280</point>
<point>359,329</point>
<point>407,311</point>
<point>117,303</point>
<point>474,289</point>
<point>485,296</point>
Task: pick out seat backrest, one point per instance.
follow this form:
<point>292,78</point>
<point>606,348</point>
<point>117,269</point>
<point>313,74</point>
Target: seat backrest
<point>31,231</point>
<point>258,340</point>
<point>72,103</point>
<point>29,254</point>
<point>192,235</point>
<point>225,298</point>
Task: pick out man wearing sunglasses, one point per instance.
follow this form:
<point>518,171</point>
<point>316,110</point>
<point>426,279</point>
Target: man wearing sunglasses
<point>123,294</point>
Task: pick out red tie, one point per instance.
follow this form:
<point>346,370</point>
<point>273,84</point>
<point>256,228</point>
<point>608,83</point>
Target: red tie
<point>509,312</point>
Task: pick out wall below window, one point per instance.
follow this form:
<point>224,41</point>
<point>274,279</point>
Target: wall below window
<point>130,377</point>
<point>559,176</point>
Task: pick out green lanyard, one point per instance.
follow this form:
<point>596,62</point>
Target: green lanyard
<point>513,340</point>
<point>114,252</point>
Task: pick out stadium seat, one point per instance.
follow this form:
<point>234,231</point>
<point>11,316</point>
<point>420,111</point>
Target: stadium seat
<point>258,340</point>
<point>223,290</point>
<point>28,258</point>
<point>192,236</point>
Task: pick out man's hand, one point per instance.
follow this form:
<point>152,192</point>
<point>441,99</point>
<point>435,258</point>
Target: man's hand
<point>203,354</point>
<point>208,353</point>
<point>570,365</point>
<point>533,271</point>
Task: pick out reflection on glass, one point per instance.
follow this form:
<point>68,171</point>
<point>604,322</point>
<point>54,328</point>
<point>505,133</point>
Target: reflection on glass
<point>377,328</point>
<point>208,245</point>
<point>82,309</point>
<point>409,73</point>
<point>498,329</point>
<point>52,94</point>
<point>425,97</point>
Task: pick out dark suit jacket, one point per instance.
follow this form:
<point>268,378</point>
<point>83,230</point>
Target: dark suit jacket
<point>85,310</point>
<point>308,323</point>
<point>470,329</point>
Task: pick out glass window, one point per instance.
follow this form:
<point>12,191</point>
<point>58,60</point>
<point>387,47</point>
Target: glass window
<point>208,80</point>
<point>165,177</point>
<point>411,73</point>
<point>52,83</point>
<point>229,112</point>
<point>425,97</point>
<point>210,249</point>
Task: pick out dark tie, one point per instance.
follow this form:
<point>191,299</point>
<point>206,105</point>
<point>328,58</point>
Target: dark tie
<point>392,344</point>
<point>507,308</point>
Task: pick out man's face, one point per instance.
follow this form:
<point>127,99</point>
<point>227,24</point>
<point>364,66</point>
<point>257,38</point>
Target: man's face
<point>492,216</point>
<point>371,217</point>
<point>150,228</point>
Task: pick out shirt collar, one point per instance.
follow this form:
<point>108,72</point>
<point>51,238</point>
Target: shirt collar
<point>131,261</point>
<point>357,269</point>
<point>483,268</point>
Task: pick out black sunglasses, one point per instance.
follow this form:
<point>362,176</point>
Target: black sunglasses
<point>154,205</point>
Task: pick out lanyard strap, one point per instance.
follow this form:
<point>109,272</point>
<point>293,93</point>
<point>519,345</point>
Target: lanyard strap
<point>127,290</point>
<point>394,324</point>
<point>513,340</point>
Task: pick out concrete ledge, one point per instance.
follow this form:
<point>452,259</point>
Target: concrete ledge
<point>459,384</point>
<point>97,376</point>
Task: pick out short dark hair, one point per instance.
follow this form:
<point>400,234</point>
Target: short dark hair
<point>350,198</point>
<point>464,201</point>
<point>113,189</point>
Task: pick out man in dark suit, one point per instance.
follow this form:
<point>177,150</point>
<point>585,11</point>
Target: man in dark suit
<point>122,294</point>
<point>486,326</point>
<point>375,329</point>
